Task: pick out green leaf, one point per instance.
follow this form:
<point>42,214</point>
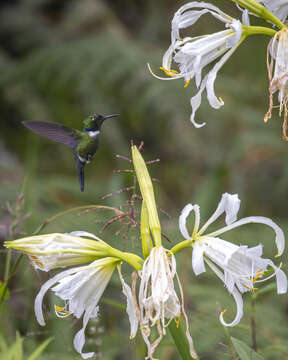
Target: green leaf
<point>180,340</point>
<point>14,352</point>
<point>244,351</point>
<point>40,349</point>
<point>4,291</point>
<point>3,345</point>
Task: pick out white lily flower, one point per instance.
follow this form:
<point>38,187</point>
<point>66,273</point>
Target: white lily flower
<point>193,54</point>
<point>158,300</point>
<point>279,80</point>
<point>52,251</point>
<point>81,288</point>
<point>239,267</point>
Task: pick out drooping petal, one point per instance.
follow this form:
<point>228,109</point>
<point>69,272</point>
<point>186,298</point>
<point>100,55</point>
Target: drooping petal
<point>130,309</point>
<point>237,297</point>
<point>79,339</point>
<point>239,303</point>
<point>212,98</point>
<point>45,287</point>
<point>281,279</point>
<point>198,264</point>
<point>195,102</point>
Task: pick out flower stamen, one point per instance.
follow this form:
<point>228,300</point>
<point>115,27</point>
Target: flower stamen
<point>169,72</point>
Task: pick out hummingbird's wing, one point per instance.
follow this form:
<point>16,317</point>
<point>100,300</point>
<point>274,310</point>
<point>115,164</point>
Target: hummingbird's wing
<point>53,131</point>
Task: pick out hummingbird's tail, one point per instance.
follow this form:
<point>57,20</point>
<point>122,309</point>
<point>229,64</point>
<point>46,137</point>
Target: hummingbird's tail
<point>81,176</point>
<point>80,168</point>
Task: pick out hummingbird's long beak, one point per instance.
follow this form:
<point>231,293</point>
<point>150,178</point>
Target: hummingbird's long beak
<point>110,116</point>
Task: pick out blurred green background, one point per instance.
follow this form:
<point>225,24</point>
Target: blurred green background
<point>62,60</point>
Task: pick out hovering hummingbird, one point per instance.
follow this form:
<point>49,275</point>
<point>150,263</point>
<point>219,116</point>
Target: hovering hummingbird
<point>84,143</point>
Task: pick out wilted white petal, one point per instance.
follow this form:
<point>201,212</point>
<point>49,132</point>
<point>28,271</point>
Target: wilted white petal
<point>198,264</point>
<point>245,17</point>
<point>158,301</point>
<point>130,309</point>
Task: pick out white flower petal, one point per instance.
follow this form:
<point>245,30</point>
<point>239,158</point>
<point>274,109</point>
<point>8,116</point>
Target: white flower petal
<point>213,100</point>
<point>229,204</point>
<point>181,20</point>
<point>229,281</point>
<point>256,251</point>
<point>237,296</point>
<point>237,27</point>
<point>245,17</point>
<point>281,281</point>
<point>183,219</point>
<point>281,278</point>
<point>198,264</point>
<point>195,102</point>
<point>239,303</point>
<point>79,338</point>
<point>83,234</point>
<point>130,309</point>
<point>279,238</point>
<point>45,287</point>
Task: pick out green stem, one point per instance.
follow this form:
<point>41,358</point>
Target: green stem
<point>182,245</point>
<point>78,208</point>
<point>134,260</point>
<point>230,344</point>
<point>180,340</point>
<point>253,323</point>
<point>7,265</point>
<point>257,30</point>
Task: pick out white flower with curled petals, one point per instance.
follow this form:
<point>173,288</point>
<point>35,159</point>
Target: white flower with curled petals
<point>158,301</point>
<point>81,288</point>
<point>193,54</point>
<point>239,267</point>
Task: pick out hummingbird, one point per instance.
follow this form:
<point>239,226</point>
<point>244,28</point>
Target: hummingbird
<point>84,143</point>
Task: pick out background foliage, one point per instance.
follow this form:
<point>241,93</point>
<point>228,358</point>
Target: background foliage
<point>63,60</point>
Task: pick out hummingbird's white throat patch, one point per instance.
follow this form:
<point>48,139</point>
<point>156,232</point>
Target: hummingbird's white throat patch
<point>93,133</point>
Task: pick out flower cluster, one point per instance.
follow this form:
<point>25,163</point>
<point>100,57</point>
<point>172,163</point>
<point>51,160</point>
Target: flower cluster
<point>193,55</point>
<point>159,299</point>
